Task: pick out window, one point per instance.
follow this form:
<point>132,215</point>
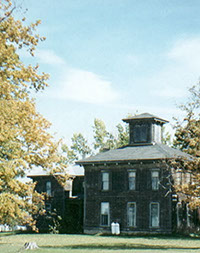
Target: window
<point>131,180</point>
<point>105,214</point>
<point>140,133</point>
<point>155,180</point>
<point>188,215</point>
<point>178,179</point>
<point>182,177</point>
<point>187,178</point>
<point>178,214</point>
<point>105,181</point>
<point>131,214</point>
<point>48,188</point>
<point>158,134</point>
<point>154,214</point>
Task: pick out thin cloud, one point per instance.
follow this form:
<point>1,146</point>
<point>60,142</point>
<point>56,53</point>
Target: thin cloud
<point>49,57</point>
<point>187,53</point>
<point>76,84</point>
<point>84,86</point>
<point>181,70</point>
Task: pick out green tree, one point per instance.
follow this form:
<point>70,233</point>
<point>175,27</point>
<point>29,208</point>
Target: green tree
<point>122,136</point>
<point>106,140</point>
<point>24,139</point>
<point>103,140</point>
<point>79,149</point>
<point>100,134</point>
<point>80,146</point>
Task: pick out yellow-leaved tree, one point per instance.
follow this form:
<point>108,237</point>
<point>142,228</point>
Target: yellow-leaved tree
<point>187,138</point>
<point>24,139</point>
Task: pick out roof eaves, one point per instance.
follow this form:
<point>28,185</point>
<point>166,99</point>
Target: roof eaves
<point>145,116</point>
<point>121,161</point>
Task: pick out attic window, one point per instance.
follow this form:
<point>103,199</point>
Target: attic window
<point>140,133</point>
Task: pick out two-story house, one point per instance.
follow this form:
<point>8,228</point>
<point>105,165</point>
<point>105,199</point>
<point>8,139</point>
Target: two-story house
<point>131,185</point>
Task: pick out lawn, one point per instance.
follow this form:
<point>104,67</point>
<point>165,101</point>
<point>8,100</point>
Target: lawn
<point>10,243</point>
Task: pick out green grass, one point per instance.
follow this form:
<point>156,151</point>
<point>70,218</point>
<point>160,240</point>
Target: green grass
<point>11,243</point>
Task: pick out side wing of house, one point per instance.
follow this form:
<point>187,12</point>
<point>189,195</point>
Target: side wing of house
<point>60,201</point>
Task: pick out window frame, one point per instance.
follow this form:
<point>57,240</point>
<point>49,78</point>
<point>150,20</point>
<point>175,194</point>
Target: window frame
<point>128,214</point>
<point>104,182</point>
<point>155,184</point>
<point>49,188</point>
<point>150,215</point>
<point>103,215</point>
<point>129,180</point>
<point>141,133</point>
<point>178,214</point>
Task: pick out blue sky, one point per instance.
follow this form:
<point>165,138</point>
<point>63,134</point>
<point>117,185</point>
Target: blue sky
<point>109,58</point>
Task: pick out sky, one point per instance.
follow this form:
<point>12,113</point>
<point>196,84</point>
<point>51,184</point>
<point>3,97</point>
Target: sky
<point>111,58</point>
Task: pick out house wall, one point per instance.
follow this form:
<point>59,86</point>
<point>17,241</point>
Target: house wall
<point>58,194</point>
<point>119,195</point>
<point>56,201</point>
<point>70,209</point>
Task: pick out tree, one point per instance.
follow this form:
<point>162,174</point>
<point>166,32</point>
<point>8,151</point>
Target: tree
<point>78,150</point>
<point>106,140</point>
<point>80,146</point>
<point>100,135</point>
<point>103,140</point>
<point>123,135</point>
<point>24,138</point>
<point>187,138</point>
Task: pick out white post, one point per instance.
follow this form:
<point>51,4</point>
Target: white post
<point>113,228</point>
<point>117,228</point>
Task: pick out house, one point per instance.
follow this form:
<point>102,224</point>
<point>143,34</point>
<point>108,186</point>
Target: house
<point>61,201</point>
<point>131,185</point>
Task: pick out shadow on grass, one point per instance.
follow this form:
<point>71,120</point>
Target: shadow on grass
<point>121,246</point>
<point>158,236</point>
<point>3,234</point>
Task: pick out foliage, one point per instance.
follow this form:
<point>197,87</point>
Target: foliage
<point>103,140</point>
<point>24,138</point>
<point>123,135</point>
<point>106,140</point>
<point>166,139</point>
<point>55,225</point>
<point>78,150</point>
<point>187,138</point>
<point>80,146</point>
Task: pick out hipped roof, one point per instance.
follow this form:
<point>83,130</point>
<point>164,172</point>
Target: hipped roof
<point>135,153</point>
<point>145,116</point>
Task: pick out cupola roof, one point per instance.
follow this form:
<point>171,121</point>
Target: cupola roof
<point>145,116</point>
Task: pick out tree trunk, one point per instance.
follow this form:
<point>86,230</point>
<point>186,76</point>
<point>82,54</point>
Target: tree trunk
<point>30,245</point>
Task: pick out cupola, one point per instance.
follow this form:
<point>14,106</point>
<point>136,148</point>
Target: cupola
<point>145,128</point>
